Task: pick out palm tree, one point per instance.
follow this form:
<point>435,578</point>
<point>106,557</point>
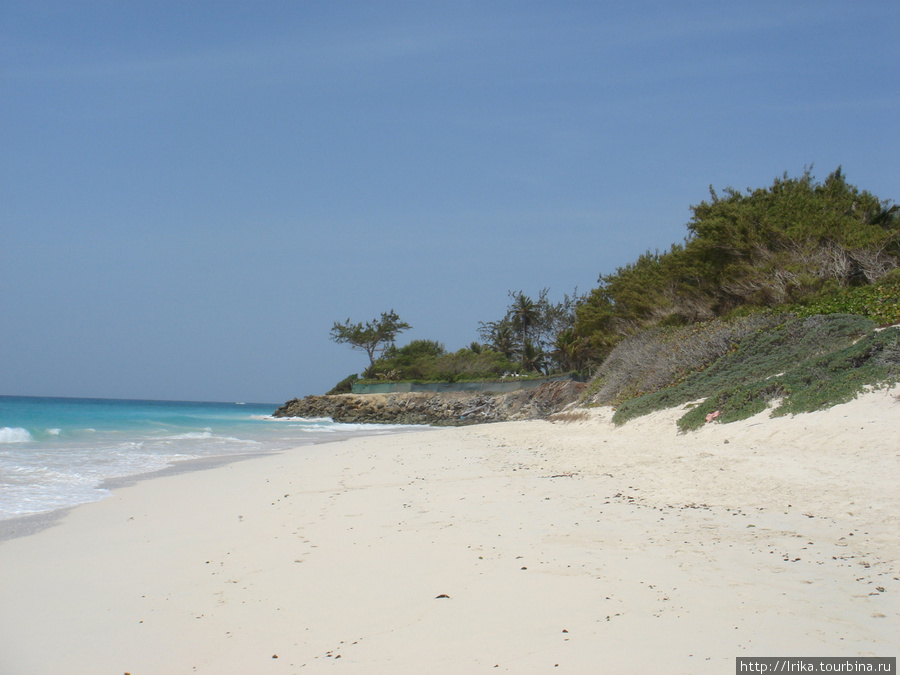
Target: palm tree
<point>533,357</point>
<point>571,351</point>
<point>524,314</point>
<point>499,335</point>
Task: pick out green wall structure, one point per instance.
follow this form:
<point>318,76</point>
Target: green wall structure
<point>492,386</point>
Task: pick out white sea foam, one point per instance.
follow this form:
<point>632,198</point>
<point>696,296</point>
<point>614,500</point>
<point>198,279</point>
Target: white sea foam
<point>68,456</point>
<point>206,436</point>
<point>329,426</point>
<point>45,481</point>
<point>270,418</point>
<point>367,429</point>
<point>14,435</point>
<point>191,436</point>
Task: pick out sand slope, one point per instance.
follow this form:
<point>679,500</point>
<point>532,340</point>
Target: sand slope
<point>563,547</point>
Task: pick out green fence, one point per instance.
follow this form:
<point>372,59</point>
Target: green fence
<point>493,386</point>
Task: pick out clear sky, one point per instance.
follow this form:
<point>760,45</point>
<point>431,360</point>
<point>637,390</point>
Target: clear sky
<point>192,192</point>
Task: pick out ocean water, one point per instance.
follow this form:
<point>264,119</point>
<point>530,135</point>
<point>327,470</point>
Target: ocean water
<point>57,452</point>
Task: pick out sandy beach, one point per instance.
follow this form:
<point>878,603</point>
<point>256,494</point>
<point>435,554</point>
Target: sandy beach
<point>523,547</point>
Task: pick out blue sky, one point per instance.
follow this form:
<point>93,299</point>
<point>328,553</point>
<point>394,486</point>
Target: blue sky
<point>191,193</point>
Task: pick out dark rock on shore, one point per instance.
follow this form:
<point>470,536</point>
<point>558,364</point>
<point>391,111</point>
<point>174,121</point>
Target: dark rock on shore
<point>446,408</point>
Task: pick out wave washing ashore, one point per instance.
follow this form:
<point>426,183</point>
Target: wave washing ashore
<point>58,452</point>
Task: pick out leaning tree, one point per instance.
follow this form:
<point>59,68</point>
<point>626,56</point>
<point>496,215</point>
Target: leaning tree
<point>372,337</point>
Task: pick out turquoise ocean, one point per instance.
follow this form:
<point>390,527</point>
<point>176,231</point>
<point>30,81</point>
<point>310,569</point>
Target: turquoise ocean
<point>58,452</point>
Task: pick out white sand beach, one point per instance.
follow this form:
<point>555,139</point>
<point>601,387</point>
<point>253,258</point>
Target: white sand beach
<point>526,547</point>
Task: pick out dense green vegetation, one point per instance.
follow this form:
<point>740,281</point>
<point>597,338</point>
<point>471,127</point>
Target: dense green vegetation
<point>774,295</point>
<point>428,361</point>
<point>533,338</point>
<point>879,301</point>
<point>797,241</point>
<point>538,334</point>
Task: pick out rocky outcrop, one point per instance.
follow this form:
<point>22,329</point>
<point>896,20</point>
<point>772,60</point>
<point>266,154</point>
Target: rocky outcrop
<point>446,408</point>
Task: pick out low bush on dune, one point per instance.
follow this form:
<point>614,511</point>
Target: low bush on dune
<point>662,357</point>
<point>814,384</point>
<point>738,367</point>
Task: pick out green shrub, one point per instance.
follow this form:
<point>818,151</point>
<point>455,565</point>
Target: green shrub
<point>795,241</point>
<point>469,365</point>
<point>661,357</point>
<point>345,386</point>
<point>814,384</point>
<point>426,361</point>
<point>760,355</point>
<point>880,302</point>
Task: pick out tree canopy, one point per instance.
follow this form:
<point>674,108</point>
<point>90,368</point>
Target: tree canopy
<point>537,333</point>
<point>787,243</point>
<point>372,337</point>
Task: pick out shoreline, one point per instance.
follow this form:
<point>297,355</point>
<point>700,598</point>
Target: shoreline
<point>30,523</point>
<point>565,546</point>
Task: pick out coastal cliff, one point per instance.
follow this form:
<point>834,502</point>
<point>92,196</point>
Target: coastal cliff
<point>444,409</point>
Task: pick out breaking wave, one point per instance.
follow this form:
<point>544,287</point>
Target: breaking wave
<point>14,435</point>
